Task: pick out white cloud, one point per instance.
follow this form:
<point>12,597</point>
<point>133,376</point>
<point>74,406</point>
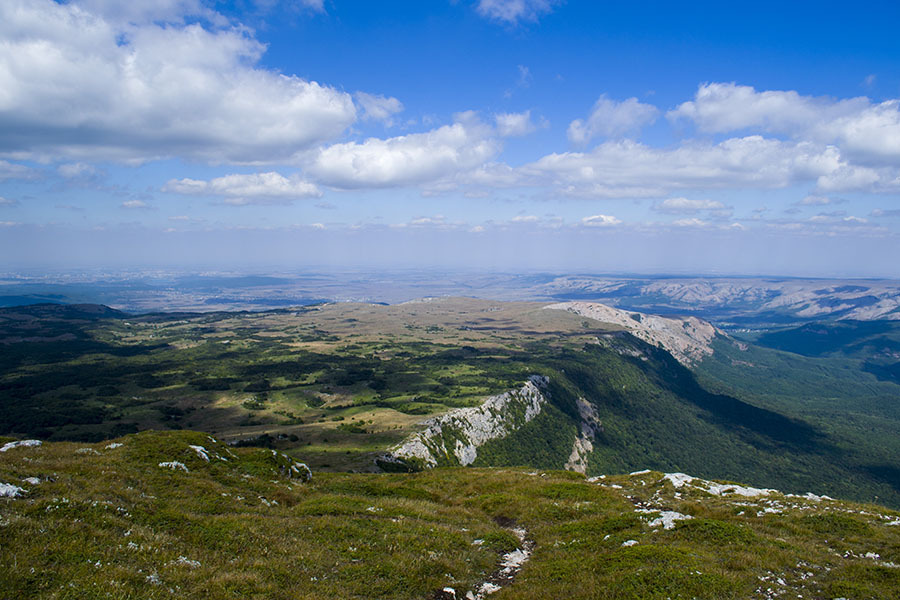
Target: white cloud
<point>812,200</point>
<point>10,170</point>
<point>379,108</point>
<point>890,212</point>
<point>525,219</point>
<point>76,170</point>
<point>514,124</point>
<point>140,12</point>
<point>864,131</point>
<point>135,204</point>
<point>144,11</point>
<point>239,189</point>
<point>724,107</point>
<point>624,168</point>
<point>512,12</point>
<point>7,202</point>
<point>75,84</point>
<point>849,177</point>
<point>437,222</point>
<point>691,222</point>
<point>621,169</point>
<point>525,77</point>
<point>408,159</point>
<point>609,118</point>
<point>687,206</point>
<point>495,175</point>
<point>600,221</point>
<point>420,221</point>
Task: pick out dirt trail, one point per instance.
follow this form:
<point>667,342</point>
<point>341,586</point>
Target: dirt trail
<point>510,565</point>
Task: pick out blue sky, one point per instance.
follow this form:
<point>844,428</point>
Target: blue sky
<point>508,134</point>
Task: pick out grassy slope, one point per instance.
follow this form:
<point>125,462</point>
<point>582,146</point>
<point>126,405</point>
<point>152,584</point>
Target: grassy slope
<point>111,523</point>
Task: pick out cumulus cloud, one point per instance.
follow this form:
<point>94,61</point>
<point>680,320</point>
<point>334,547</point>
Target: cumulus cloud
<point>78,83</point>
<point>630,169</point>
<point>513,12</point>
<point>514,124</point>
<point>408,159</point>
<point>247,188</point>
<point>525,219</point>
<point>600,221</point>
<point>139,12</point>
<point>834,145</point>
<point>378,108</point>
<point>724,107</point>
<point>609,118</point>
<point>850,177</point>
<point>863,130</point>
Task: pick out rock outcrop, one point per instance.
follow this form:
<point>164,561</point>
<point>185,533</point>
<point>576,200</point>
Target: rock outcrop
<point>454,438</point>
<point>688,339</point>
<point>584,443</point>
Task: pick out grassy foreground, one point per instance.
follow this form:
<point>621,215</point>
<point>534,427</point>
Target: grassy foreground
<point>110,522</point>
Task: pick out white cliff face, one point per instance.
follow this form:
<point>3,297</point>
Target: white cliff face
<point>464,430</point>
<point>688,340</point>
<point>584,443</point>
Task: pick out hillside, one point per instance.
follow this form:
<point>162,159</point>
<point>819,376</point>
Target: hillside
<point>875,343</point>
<point>118,519</point>
<point>339,386</point>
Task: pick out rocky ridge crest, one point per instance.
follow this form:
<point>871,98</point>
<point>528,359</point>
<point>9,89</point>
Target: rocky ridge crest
<point>688,339</point>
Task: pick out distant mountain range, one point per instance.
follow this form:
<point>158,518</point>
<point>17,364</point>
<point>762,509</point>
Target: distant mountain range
<point>751,301</point>
<point>729,302</point>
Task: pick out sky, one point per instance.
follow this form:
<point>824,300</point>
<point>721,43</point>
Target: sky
<point>608,137</point>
